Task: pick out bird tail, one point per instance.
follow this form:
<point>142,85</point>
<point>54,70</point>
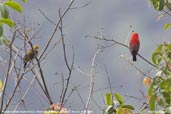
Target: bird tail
<point>134,55</point>
<point>25,64</point>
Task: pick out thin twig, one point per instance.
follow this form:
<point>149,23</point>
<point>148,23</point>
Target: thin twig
<point>92,77</point>
<point>56,28</point>
<point>36,88</point>
<point>79,70</point>
<point>70,68</point>
<point>78,7</point>
<point>110,85</point>
<point>62,90</point>
<point>147,61</point>
<point>43,84</point>
<point>63,42</point>
<point>26,92</point>
<point>121,44</point>
<point>46,17</point>
<point>14,91</point>
<point>131,63</point>
<point>99,106</point>
<point>78,93</point>
<point>10,67</point>
<point>42,77</point>
<point>69,95</point>
<point>10,98</point>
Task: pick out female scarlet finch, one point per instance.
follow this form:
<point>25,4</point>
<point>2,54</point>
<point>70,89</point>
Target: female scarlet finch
<point>134,45</point>
<point>30,55</point>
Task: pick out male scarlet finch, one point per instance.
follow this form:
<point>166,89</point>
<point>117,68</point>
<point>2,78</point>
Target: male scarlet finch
<point>30,55</point>
<point>134,45</point>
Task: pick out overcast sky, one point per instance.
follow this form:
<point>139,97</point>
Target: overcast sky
<point>113,19</point>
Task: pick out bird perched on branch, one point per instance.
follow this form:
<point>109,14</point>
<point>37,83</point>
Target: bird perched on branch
<point>134,45</point>
<point>30,55</point>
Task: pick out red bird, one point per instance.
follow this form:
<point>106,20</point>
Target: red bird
<point>134,45</point>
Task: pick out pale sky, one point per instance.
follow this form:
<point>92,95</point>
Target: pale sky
<point>115,17</point>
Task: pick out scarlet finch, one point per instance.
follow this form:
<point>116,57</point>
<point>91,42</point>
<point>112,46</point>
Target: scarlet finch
<point>30,55</point>
<point>134,45</point>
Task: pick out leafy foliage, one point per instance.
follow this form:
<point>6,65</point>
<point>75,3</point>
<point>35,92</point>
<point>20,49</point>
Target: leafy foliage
<point>8,22</point>
<point>160,89</point>
<point>117,106</point>
<point>167,26</point>
<point>4,11</point>
<point>5,17</point>
<point>14,5</point>
<point>162,5</point>
<point>162,54</point>
<point>108,99</point>
<point>159,5</point>
<point>119,98</point>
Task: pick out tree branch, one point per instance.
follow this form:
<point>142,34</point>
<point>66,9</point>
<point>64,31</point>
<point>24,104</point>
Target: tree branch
<point>121,44</point>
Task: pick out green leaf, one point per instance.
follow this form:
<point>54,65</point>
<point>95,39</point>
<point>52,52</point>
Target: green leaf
<point>157,79</point>
<point>154,3</point>
<point>166,96</point>
<point>150,89</point>
<point>14,5</point>
<point>108,99</point>
<point>110,110</point>
<point>163,84</point>
<point>152,101</point>
<point>161,102</point>
<point>1,29</point>
<point>123,111</point>
<point>9,22</point>
<point>157,4</point>
<point>167,26</point>
<point>168,5</point>
<point>128,106</point>
<point>157,54</point>
<point>159,47</point>
<point>169,46</point>
<point>156,57</point>
<point>160,5</point>
<point>119,111</point>
<point>4,11</point>
<point>119,98</point>
<point>5,41</point>
<point>1,85</point>
<point>166,85</point>
<point>24,1</point>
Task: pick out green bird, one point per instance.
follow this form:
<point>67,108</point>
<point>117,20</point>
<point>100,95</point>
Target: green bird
<point>30,55</point>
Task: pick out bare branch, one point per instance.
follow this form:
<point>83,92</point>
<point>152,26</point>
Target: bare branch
<point>26,92</point>
<point>10,67</point>
<point>70,68</point>
<point>131,63</point>
<point>46,17</point>
<point>42,77</point>
<point>121,44</point>
<point>92,77</point>
<point>85,5</point>
<point>110,85</point>
<point>56,28</point>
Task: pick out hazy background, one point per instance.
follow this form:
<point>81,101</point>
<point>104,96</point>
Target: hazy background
<point>113,19</point>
